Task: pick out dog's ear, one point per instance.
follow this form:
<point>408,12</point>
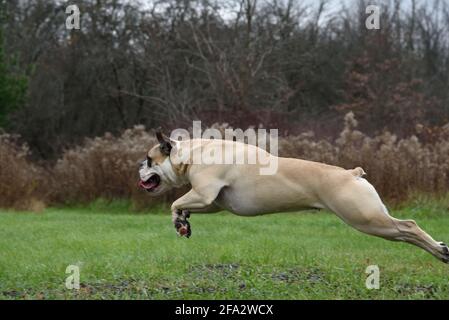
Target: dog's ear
<point>164,141</point>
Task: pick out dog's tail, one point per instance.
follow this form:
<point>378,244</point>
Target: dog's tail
<point>358,172</point>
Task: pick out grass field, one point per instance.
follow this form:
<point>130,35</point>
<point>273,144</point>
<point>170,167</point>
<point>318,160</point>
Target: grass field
<point>283,256</point>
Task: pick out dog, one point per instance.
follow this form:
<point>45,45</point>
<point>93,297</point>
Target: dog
<point>296,185</point>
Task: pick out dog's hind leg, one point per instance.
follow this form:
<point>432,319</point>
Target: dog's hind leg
<point>359,205</point>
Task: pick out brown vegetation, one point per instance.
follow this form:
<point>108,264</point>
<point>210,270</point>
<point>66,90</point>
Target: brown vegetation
<point>21,182</point>
<point>106,167</point>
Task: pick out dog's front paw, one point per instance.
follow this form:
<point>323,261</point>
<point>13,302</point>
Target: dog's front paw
<point>185,230</point>
<point>182,225</point>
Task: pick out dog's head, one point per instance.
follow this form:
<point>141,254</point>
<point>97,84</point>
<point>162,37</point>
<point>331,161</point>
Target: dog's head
<point>157,174</point>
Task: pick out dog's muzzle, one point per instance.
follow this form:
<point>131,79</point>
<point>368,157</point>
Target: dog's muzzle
<point>149,179</point>
<point>151,183</point>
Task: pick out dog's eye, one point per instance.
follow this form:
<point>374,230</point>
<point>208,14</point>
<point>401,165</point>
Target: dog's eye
<point>148,161</point>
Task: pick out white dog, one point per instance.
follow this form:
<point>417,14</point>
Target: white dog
<point>296,185</point>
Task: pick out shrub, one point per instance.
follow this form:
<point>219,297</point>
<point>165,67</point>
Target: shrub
<point>21,182</point>
<point>106,167</point>
<point>396,167</point>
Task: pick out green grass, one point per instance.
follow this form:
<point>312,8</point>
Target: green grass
<point>282,256</point>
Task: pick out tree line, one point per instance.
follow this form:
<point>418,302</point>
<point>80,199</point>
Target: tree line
<point>280,64</point>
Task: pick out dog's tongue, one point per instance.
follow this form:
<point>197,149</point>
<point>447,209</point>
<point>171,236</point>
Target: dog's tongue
<point>147,185</point>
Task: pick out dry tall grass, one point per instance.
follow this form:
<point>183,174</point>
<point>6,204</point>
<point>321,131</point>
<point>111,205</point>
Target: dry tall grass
<point>22,183</point>
<point>396,167</point>
<point>106,167</point>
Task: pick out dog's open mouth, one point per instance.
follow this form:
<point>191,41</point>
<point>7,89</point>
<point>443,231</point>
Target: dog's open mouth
<point>151,183</point>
